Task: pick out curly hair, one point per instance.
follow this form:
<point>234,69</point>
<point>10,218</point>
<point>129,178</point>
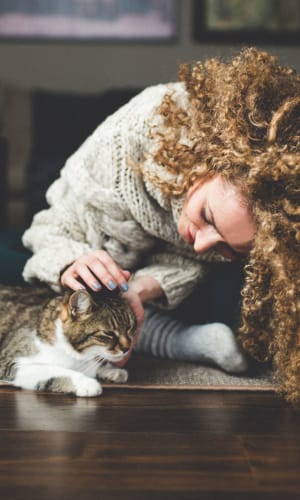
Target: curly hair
<point>241,121</point>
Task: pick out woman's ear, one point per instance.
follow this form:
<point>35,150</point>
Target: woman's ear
<point>80,302</point>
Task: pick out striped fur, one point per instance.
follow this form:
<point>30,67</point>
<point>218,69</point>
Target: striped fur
<point>63,343</point>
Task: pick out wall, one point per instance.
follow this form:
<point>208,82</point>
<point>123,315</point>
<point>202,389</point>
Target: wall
<point>93,67</point>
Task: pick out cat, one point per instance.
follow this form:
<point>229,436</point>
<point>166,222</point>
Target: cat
<point>63,343</point>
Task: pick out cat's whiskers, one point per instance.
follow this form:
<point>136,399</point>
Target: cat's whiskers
<point>89,364</point>
<point>93,367</point>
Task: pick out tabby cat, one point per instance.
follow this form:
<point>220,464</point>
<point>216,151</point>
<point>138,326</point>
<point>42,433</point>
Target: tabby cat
<point>63,343</point>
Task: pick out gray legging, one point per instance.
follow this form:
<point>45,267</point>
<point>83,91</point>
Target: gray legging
<point>163,336</point>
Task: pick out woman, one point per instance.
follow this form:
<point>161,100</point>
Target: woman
<point>184,176</point>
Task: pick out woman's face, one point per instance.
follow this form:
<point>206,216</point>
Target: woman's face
<point>215,214</point>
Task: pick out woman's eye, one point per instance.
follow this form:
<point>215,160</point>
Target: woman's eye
<point>204,216</point>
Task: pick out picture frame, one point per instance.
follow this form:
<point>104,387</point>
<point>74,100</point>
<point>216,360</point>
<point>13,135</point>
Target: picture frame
<point>89,20</point>
<point>251,21</point>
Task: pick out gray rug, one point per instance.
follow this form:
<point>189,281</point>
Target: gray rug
<point>150,373</point>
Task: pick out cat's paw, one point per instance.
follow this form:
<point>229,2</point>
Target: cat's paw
<point>120,375</point>
<point>111,373</point>
<point>87,388</point>
<point>77,385</point>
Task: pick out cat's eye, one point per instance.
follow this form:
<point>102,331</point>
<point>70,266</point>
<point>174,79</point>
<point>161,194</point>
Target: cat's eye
<point>90,334</point>
<point>110,334</point>
<point>106,336</point>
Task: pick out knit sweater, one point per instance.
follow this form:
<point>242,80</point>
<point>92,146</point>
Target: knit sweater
<point>99,201</point>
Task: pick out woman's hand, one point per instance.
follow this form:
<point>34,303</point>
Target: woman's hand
<point>95,269</point>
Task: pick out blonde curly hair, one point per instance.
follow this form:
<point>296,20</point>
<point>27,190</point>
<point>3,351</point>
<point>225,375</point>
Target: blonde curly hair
<point>242,122</point>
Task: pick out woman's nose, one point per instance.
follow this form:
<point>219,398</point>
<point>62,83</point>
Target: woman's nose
<point>206,239</point>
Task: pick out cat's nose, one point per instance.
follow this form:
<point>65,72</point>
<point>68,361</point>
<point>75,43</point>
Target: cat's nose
<point>124,344</point>
<point>125,348</point>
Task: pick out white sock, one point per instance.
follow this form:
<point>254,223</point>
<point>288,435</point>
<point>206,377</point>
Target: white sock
<point>214,343</point>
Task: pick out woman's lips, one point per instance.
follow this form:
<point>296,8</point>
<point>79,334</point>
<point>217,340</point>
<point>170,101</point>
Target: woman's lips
<point>190,237</point>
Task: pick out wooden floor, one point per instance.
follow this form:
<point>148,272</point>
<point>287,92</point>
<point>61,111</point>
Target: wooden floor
<point>146,444</point>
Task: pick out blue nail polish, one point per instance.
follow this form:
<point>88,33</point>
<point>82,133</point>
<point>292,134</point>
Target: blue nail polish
<point>112,285</point>
<point>96,285</point>
<point>124,287</point>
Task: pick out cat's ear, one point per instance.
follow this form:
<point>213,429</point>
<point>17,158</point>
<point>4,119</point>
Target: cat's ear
<point>80,302</point>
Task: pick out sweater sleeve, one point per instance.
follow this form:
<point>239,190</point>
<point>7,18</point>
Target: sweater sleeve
<point>57,236</point>
<point>177,275</point>
<point>83,203</point>
<point>53,245</point>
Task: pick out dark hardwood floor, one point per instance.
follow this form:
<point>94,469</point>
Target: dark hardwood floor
<point>148,444</point>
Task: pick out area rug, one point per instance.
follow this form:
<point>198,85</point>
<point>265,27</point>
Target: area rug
<point>149,373</point>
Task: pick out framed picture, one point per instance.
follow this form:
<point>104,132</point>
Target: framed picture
<point>111,20</point>
<point>250,21</point>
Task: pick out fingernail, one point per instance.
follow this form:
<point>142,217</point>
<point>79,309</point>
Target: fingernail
<point>82,287</point>
<point>96,285</point>
<point>124,287</point>
<point>112,285</point>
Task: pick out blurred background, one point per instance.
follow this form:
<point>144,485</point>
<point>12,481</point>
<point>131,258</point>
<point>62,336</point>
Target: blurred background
<point>66,64</point>
<point>97,65</point>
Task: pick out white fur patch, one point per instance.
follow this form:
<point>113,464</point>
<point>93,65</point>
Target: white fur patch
<point>61,353</point>
<point>61,360</point>
<point>28,377</point>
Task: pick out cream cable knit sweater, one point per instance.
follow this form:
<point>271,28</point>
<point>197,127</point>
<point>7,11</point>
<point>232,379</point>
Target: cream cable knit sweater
<point>100,202</point>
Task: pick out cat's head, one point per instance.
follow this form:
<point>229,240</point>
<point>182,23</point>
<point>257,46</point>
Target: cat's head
<point>100,324</point>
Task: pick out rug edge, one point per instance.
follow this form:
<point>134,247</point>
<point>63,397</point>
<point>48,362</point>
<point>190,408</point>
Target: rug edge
<point>194,387</point>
